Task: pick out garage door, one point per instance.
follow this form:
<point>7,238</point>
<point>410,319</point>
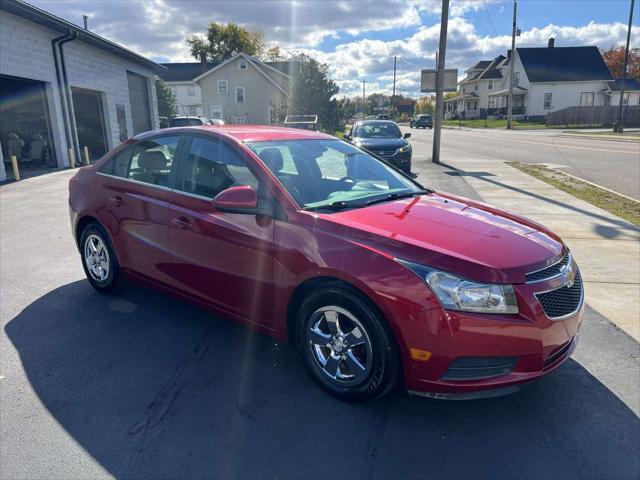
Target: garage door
<point>87,108</point>
<point>139,100</point>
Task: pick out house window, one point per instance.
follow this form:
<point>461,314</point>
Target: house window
<point>239,94</point>
<point>490,86</point>
<point>625,98</point>
<point>216,111</point>
<point>192,109</point>
<point>241,120</point>
<point>586,99</point>
<point>492,102</point>
<point>223,87</point>
<point>191,91</point>
<point>547,101</point>
<point>516,79</point>
<point>242,64</point>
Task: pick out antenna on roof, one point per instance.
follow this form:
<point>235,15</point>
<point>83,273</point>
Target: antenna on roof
<point>85,18</point>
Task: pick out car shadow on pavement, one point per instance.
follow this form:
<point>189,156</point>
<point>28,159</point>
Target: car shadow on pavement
<point>152,387</point>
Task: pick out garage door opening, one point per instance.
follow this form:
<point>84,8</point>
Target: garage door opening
<point>25,125</point>
<point>89,115</point>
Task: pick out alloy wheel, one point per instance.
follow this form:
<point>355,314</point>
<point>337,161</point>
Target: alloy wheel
<point>340,345</point>
<point>96,257</point>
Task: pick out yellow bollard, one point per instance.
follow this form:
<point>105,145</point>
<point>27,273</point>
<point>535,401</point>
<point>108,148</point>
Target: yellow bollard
<point>14,164</point>
<point>72,158</point>
<point>86,156</point>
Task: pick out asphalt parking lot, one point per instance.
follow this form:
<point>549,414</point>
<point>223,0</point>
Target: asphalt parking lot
<point>145,386</point>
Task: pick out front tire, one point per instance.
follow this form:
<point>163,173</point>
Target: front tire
<point>346,346</point>
<point>99,260</point>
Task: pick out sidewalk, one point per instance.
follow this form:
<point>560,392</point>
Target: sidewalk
<point>606,247</point>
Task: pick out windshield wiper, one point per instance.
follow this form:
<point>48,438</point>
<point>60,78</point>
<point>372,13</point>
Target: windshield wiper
<point>396,196</point>
<point>339,205</point>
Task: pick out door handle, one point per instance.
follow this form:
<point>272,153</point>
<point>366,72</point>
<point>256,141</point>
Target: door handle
<point>117,201</point>
<point>181,222</point>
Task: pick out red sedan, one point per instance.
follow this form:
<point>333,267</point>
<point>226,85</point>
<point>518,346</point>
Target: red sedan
<point>375,279</point>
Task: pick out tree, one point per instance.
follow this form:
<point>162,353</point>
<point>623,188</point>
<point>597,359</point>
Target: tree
<point>167,104</point>
<point>614,58</point>
<point>313,92</point>
<point>273,54</point>
<point>221,41</point>
<point>425,105</point>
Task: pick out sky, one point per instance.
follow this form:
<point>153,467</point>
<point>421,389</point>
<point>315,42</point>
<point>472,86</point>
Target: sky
<point>358,39</point>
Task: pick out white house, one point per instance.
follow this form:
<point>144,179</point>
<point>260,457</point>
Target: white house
<point>243,89</point>
<point>179,77</point>
<point>63,87</point>
<point>545,80</point>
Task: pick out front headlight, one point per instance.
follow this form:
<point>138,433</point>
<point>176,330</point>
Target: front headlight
<point>406,148</point>
<point>456,293</point>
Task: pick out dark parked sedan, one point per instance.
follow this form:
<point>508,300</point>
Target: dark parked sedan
<point>421,121</point>
<point>384,139</point>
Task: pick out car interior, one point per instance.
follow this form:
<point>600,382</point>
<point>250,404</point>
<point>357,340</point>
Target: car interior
<point>313,175</point>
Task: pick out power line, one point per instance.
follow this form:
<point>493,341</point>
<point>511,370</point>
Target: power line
<point>490,19</point>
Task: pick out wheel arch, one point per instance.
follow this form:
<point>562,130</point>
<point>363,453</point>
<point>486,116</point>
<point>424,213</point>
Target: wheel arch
<point>87,220</point>
<point>326,281</point>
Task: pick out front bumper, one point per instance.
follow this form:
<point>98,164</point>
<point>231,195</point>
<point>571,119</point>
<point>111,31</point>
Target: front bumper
<point>537,345</point>
<point>400,160</point>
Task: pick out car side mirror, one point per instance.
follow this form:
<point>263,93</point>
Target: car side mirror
<point>407,135</point>
<point>242,199</point>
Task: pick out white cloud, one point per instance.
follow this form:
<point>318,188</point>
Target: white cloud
<point>158,28</point>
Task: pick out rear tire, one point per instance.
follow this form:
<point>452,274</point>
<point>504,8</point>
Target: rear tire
<point>346,346</point>
<point>99,260</point>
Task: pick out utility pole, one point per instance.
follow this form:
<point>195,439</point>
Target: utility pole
<point>511,62</point>
<point>619,127</point>
<point>393,97</point>
<point>364,102</point>
<point>437,127</point>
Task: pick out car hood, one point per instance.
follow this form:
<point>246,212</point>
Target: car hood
<point>453,234</point>
<point>373,143</point>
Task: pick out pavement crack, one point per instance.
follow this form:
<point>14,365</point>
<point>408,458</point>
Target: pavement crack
<point>160,405</point>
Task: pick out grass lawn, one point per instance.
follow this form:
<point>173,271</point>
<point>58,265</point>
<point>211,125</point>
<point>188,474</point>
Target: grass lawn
<point>606,200</point>
<point>491,124</point>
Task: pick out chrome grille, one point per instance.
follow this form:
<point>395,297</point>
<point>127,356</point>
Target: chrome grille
<point>562,301</point>
<point>550,271</point>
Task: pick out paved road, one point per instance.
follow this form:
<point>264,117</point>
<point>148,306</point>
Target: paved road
<point>612,164</point>
<point>145,386</point>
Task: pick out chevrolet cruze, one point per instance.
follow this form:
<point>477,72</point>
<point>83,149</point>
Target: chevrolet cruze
<point>376,280</point>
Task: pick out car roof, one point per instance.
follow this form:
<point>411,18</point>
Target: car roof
<point>252,133</point>
<point>376,121</point>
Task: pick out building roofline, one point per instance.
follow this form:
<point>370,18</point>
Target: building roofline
<point>48,20</point>
<point>249,60</point>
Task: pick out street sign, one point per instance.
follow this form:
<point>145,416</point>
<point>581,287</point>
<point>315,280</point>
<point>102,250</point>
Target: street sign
<point>428,80</point>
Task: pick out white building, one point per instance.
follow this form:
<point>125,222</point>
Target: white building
<point>63,87</point>
<point>545,80</point>
<point>179,77</point>
<point>240,89</point>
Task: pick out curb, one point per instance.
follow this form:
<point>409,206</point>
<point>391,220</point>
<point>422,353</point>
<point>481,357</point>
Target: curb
<point>599,137</point>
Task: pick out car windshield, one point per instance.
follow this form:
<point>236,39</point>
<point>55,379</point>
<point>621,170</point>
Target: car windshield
<point>332,174</point>
<point>377,130</point>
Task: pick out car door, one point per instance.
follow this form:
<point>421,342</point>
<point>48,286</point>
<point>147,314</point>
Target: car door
<point>223,258</point>
<point>136,190</point>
